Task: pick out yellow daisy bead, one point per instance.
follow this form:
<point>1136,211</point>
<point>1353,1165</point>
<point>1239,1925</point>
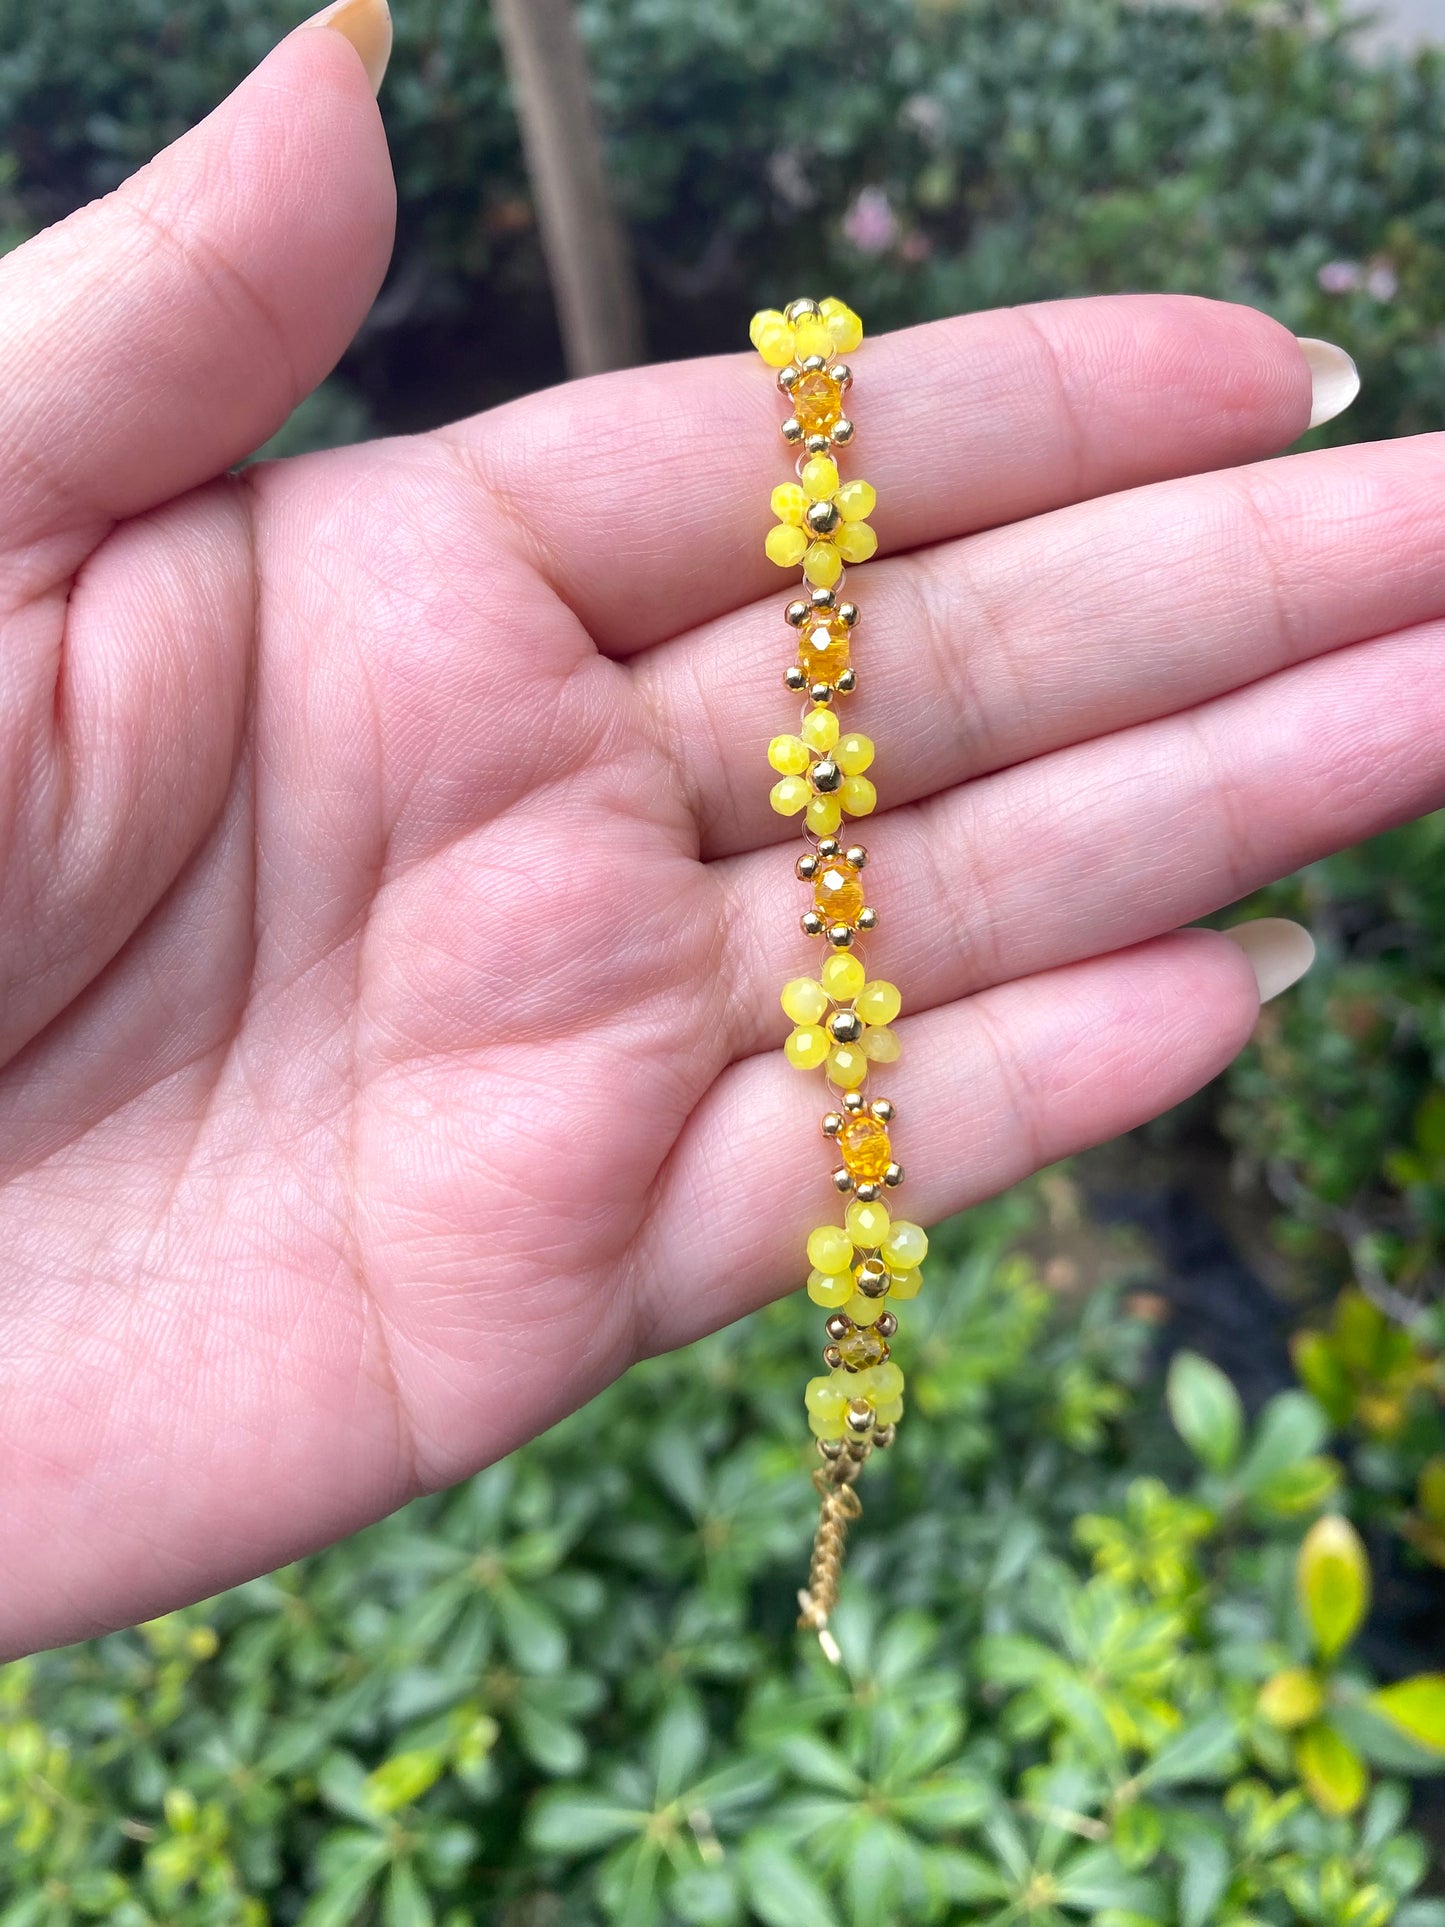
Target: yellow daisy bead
<point>847,1066</point>
<point>843,325</point>
<point>819,729</point>
<point>812,336</point>
<point>853,754</point>
<point>830,1248</point>
<point>819,478</point>
<point>880,1045</point>
<point>791,795</point>
<point>887,1411</point>
<point>825,813</point>
<point>878,1002</point>
<point>856,541</point>
<point>806,1047</point>
<point>843,977</point>
<point>828,1427</point>
<point>867,1224</point>
<point>789,503</point>
<point>906,1246</point>
<point>905,1284</point>
<point>772,337</point>
<point>864,1311</point>
<point>830,1288</point>
<point>855,500</point>
<point>822,564</point>
<point>882,1381</point>
<point>786,545</point>
<point>804,1000</point>
<point>858,796</point>
<point>788,755</point>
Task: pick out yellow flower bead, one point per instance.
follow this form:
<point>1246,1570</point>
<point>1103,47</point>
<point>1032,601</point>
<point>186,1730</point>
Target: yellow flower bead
<point>830,1248</point>
<point>825,813</point>
<point>864,1311</point>
<point>788,755</point>
<point>847,1066</point>
<point>858,796</point>
<point>827,1404</point>
<point>887,1411</point>
<point>804,1000</point>
<point>905,1284</point>
<point>830,1288</point>
<point>786,545</point>
<point>812,336</point>
<point>882,1381</point>
<point>827,1426</point>
<point>867,1224</point>
<point>772,337</point>
<point>789,503</point>
<point>853,754</point>
<point>819,478</point>
<point>822,564</point>
<point>855,500</point>
<point>843,977</point>
<point>806,1047</point>
<point>880,1045</point>
<point>789,796</point>
<point>878,1002</point>
<point>819,729</point>
<point>856,541</point>
<point>906,1246</point>
<point>843,325</point>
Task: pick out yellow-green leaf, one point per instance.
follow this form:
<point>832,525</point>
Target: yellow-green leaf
<point>403,1778</point>
<point>1333,1578</point>
<point>1416,1707</point>
<point>1292,1698</point>
<point>1333,1773</point>
<point>1431,1489</point>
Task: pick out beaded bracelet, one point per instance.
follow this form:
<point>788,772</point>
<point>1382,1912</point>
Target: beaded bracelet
<point>841,1017</point>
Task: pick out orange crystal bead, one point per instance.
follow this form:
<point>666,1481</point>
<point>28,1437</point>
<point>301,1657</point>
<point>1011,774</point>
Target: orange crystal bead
<point>866,1148</point>
<point>823,650</point>
<point>860,1349</point>
<point>818,402</point>
<point>837,891</point>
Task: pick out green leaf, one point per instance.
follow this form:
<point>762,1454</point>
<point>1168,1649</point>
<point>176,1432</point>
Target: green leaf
<point>339,1901</point>
<point>1332,1577</point>
<point>1291,1427</point>
<point>406,1904</point>
<point>533,1633</point>
<point>678,1745</point>
<point>817,1764</point>
<point>1416,1707</point>
<point>938,1806</point>
<point>1205,1750</point>
<point>403,1778</point>
<point>870,1875</point>
<point>1206,1410</point>
<point>1095,1879</point>
<point>781,1892</point>
<point>1333,1773</point>
<point>573,1821</point>
<point>1203,1876</point>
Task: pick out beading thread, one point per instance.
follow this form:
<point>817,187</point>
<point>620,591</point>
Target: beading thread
<point>841,1017</point>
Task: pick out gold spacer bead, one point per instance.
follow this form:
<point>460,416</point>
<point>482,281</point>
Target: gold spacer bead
<point>868,1192</point>
<point>843,431</point>
<point>833,1448</point>
<point>828,848</point>
<point>859,1417</point>
<point>789,377</point>
<point>845,1026</point>
<point>847,681</point>
<point>893,1176</point>
<point>806,867</point>
<point>842,374</point>
<point>792,430</point>
<point>840,936</point>
<point>849,614</point>
<point>821,598</point>
<point>813,364</point>
<point>822,517</point>
<point>885,1324</point>
<point>859,1448</point>
<point>852,1100</point>
<point>818,444</point>
<point>867,918</point>
<point>857,855</point>
<point>812,923</point>
<point>795,678</point>
<point>882,1435</point>
<point>884,1109</point>
<point>843,1179</point>
<point>797,612</point>
<point>872,1277</point>
<point>825,776</point>
<point>821,693</point>
<point>838,1326</point>
<point>795,310</point>
<point>832,1123</point>
<point>832,1357</point>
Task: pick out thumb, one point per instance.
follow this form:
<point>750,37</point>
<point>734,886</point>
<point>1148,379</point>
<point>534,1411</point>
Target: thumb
<point>159,335</point>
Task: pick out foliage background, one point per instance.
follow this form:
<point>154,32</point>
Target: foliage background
<point>447,1717</point>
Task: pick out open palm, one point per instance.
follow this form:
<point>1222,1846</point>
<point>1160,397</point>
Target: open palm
<point>391,914</point>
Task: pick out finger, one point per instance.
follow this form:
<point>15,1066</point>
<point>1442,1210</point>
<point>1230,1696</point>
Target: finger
<point>995,1088</point>
<point>962,424</point>
<point>159,335</point>
<point>1114,841</point>
<point>983,653</point>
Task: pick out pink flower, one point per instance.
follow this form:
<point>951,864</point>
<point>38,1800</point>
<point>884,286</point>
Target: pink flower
<point>1339,277</point>
<point>870,224</point>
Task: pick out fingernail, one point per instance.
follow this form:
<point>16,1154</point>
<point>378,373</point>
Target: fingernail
<point>367,25</point>
<point>1279,952</point>
<point>1334,379</point>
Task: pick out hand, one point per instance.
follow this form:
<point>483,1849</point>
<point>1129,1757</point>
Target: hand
<point>393,916</point>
